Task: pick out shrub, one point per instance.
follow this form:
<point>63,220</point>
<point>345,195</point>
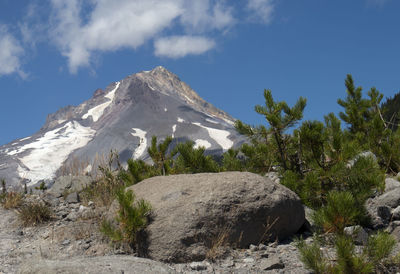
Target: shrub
<point>312,256</point>
<point>158,153</point>
<point>3,186</point>
<point>12,200</point>
<point>380,246</point>
<point>132,216</point>
<point>230,161</point>
<point>193,160</point>
<point>137,171</point>
<point>374,258</point>
<point>339,212</point>
<point>34,213</point>
<point>102,191</point>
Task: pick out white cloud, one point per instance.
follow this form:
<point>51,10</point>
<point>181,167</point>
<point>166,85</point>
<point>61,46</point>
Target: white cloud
<point>201,16</point>
<point>80,28</point>
<point>261,10</point>
<point>180,46</point>
<point>112,25</point>
<point>10,53</point>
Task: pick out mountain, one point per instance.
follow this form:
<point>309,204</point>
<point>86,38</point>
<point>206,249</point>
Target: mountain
<point>123,117</point>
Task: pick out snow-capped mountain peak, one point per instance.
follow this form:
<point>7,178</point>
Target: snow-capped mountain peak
<point>123,117</point>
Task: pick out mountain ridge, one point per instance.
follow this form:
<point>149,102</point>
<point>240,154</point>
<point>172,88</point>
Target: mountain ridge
<point>124,116</point>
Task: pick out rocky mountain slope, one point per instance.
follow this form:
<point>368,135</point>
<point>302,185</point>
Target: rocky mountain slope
<point>122,117</point>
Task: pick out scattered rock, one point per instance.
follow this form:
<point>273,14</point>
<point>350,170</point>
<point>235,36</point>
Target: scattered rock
<point>390,198</point>
<point>391,183</point>
<point>271,263</point>
<point>91,265</point>
<point>359,235</point>
<point>73,198</point>
<point>248,260</point>
<point>396,213</point>
<point>384,213</point>
<point>198,266</point>
<point>262,247</point>
<point>192,210</point>
<point>362,154</point>
<point>73,216</point>
<point>66,242</point>
<point>253,247</point>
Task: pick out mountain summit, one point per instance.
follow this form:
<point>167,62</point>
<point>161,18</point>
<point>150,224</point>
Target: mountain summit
<point>122,117</point>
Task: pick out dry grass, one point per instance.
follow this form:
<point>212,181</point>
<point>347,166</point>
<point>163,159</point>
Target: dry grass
<point>267,231</point>
<point>34,213</point>
<point>12,200</point>
<point>218,244</point>
<point>103,189</point>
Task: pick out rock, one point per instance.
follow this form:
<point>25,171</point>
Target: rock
<point>262,247</point>
<point>51,199</point>
<point>396,213</point>
<point>390,184</point>
<point>72,216</point>
<point>390,198</point>
<point>92,265</point>
<point>82,209</point>
<point>66,242</point>
<point>73,198</point>
<point>384,213</point>
<point>198,266</point>
<point>191,212</point>
<point>253,248</point>
<point>274,176</point>
<point>376,207</point>
<point>362,154</point>
<point>248,260</point>
<point>271,263</point>
<point>396,233</point>
<point>67,184</point>
<point>359,235</point>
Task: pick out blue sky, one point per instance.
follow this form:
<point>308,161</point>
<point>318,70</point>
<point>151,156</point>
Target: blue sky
<point>55,53</point>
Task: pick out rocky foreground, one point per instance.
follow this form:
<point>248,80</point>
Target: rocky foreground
<point>72,243</point>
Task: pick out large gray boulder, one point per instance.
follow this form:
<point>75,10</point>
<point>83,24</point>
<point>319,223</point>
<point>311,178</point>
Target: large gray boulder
<point>96,265</point>
<point>193,212</point>
<point>68,184</point>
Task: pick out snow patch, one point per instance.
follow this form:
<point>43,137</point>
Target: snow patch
<point>1,165</point>
<point>188,99</point>
<point>13,144</point>
<point>180,120</point>
<point>61,121</point>
<point>142,143</point>
<point>165,109</point>
<point>173,131</point>
<point>212,121</point>
<point>202,143</point>
<point>49,152</point>
<point>97,111</point>
<point>23,139</point>
<point>220,136</point>
<point>88,169</point>
<point>230,122</point>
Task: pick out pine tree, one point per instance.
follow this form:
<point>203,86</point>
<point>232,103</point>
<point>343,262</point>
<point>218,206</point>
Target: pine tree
<point>158,154</point>
<point>136,171</point>
<point>280,118</point>
<point>193,160</point>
